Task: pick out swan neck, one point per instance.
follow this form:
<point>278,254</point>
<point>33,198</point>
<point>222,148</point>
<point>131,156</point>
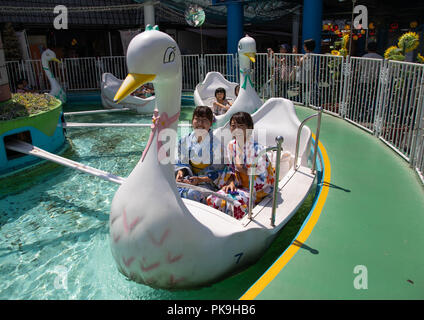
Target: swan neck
<point>54,84</point>
<point>244,62</point>
<point>168,97</point>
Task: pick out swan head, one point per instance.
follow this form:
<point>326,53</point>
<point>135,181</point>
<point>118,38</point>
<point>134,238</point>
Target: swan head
<point>247,48</point>
<point>152,56</point>
<point>48,55</point>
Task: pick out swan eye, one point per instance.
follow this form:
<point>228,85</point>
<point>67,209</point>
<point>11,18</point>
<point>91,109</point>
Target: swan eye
<point>169,55</point>
<point>239,46</point>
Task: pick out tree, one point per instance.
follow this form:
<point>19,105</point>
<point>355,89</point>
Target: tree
<point>4,82</point>
<point>12,49</point>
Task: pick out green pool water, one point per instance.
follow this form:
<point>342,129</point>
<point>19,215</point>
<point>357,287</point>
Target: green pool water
<point>54,235</point>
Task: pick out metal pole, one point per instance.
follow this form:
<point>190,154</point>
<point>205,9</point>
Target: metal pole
<point>279,141</point>
<point>252,172</point>
<point>316,140</point>
<point>351,28</point>
<point>416,126</point>
<point>295,29</point>
<point>299,131</point>
<point>149,13</point>
<point>110,44</point>
<point>251,181</point>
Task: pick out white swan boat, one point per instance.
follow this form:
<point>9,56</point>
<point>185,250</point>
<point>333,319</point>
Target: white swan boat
<point>161,240</point>
<point>110,85</point>
<point>247,100</point>
<point>55,88</point>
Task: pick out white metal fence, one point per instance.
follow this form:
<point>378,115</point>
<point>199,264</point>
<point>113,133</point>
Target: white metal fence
<point>385,98</point>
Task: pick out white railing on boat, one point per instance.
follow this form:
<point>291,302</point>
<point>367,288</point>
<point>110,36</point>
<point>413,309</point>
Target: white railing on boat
<point>278,148</point>
<point>384,98</point>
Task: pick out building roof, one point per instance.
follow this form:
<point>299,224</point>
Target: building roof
<point>131,13</point>
<point>263,14</point>
<point>95,12</point>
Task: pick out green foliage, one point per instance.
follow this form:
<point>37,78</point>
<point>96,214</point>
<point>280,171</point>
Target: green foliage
<point>26,104</point>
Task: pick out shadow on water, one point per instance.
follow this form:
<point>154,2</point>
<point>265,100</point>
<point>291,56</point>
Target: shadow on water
<point>74,237</point>
<point>39,180</point>
<point>36,176</point>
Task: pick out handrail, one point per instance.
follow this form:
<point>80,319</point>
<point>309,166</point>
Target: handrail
<point>299,131</point>
<point>277,148</point>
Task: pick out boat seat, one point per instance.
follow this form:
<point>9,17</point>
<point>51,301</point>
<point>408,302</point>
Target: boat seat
<point>277,117</point>
<point>213,81</point>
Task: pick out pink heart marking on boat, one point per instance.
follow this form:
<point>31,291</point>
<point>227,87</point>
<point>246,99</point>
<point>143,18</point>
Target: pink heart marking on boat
<point>162,239</point>
<point>129,228</point>
<point>116,238</point>
<point>128,262</point>
<point>149,268</point>
<point>173,259</point>
<point>173,281</point>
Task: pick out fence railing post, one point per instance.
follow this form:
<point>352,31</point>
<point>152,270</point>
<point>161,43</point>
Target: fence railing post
<point>380,110</point>
<point>202,67</point>
<point>418,126</point>
<point>346,72</point>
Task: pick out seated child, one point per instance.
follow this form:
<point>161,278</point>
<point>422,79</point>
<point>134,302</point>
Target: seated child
<point>23,86</point>
<point>199,158</point>
<point>234,181</point>
<point>221,105</point>
<point>20,88</point>
<point>144,91</point>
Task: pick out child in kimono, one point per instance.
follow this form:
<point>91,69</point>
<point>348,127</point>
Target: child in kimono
<point>199,157</point>
<point>221,105</point>
<point>234,181</point>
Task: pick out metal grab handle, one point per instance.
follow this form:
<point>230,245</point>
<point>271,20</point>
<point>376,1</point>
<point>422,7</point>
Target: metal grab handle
<point>299,131</point>
<point>279,140</point>
<point>277,148</point>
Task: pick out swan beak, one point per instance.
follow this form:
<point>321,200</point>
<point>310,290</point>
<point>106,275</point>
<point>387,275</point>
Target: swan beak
<point>130,84</point>
<point>56,60</point>
<point>251,56</point>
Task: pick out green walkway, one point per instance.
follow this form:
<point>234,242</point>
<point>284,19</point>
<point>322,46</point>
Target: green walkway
<point>373,216</point>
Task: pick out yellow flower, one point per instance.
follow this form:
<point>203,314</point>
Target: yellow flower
<point>343,52</point>
<point>335,53</point>
<point>409,41</point>
<point>420,58</point>
<point>391,51</point>
<point>413,24</point>
<point>345,40</point>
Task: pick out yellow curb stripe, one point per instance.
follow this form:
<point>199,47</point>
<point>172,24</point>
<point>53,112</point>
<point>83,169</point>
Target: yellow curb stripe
<point>278,265</point>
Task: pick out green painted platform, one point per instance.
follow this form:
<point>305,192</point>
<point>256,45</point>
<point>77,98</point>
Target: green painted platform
<point>373,216</point>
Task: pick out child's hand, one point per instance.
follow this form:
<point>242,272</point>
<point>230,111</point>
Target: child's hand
<point>195,180</point>
<point>229,188</point>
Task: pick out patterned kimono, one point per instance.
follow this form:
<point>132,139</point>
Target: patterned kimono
<point>200,159</point>
<point>263,181</point>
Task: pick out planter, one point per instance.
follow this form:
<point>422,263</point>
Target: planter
<point>43,130</point>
